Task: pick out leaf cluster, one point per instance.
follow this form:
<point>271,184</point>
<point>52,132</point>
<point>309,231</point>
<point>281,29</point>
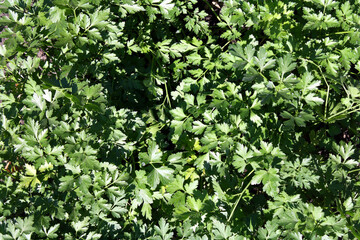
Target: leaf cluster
<point>169,119</point>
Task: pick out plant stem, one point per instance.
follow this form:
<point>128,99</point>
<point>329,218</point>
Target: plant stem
<point>222,48</point>
<point>241,194</point>
<point>345,111</point>
<point>327,85</point>
<point>348,220</point>
<point>167,94</point>
<point>339,33</point>
<point>217,16</point>
<point>262,75</point>
<point>355,170</point>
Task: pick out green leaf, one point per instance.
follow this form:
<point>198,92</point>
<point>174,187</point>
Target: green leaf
<point>51,232</point>
<point>285,64</point>
<point>111,57</point>
<point>132,8</point>
<point>165,6</point>
<point>178,114</point>
<point>39,101</point>
<point>262,62</point>
<point>312,100</point>
<point>162,174</point>
<point>84,182</point>
<point>221,231</point>
<point>163,230</point>
<point>31,177</point>
<point>3,50</point>
<point>270,179</point>
<point>198,127</point>
<point>98,18</point>
<point>30,170</point>
<point>153,154</point>
<point>194,204</point>
<point>348,204</point>
<point>66,183</point>
<point>194,58</point>
<point>56,14</point>
<point>177,184</point>
<point>81,226</point>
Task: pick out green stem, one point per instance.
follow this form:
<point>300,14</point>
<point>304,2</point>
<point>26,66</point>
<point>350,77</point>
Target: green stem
<point>167,94</point>
<point>348,220</point>
<point>339,33</point>
<point>203,74</point>
<point>326,82</point>
<point>74,12</point>
<point>262,75</point>
<point>327,119</point>
<point>344,111</point>
<point>222,48</point>
<point>217,16</point>
<point>355,170</point>
<point>238,200</point>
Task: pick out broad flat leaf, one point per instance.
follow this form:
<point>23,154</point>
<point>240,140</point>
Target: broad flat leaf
<point>39,101</point>
<point>66,183</point>
<point>176,184</point>
<point>111,57</point>
<point>98,18</point>
<point>29,181</point>
<point>221,231</point>
<point>3,50</point>
<point>198,127</point>
<point>346,150</point>
<point>132,8</point>
<point>7,99</point>
<point>153,154</point>
<point>318,213</point>
<point>47,95</point>
<point>270,231</point>
<point>194,58</point>
<point>307,83</point>
<point>262,62</point>
<point>286,115</point>
<point>56,14</point>
<point>223,127</point>
<point>81,226</point>
<point>312,100</point>
<point>285,64</point>
<point>255,118</point>
<point>144,195</point>
<point>163,230</point>
<point>84,182</point>
<point>243,154</point>
<point>30,170</point>
<point>199,162</point>
<point>146,210</point>
<point>166,6</point>
<point>194,204</point>
<point>162,174</point>
<point>190,187</point>
<point>51,232</point>
<point>31,178</point>
<point>46,167</point>
<point>270,179</point>
<point>178,114</point>
<point>94,34</point>
<point>176,158</point>
<point>289,218</point>
<point>348,204</point>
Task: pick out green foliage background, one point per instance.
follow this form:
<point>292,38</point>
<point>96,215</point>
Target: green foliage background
<point>169,119</point>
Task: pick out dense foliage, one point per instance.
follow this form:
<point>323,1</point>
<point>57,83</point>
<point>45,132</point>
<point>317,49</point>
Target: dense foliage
<point>170,119</point>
